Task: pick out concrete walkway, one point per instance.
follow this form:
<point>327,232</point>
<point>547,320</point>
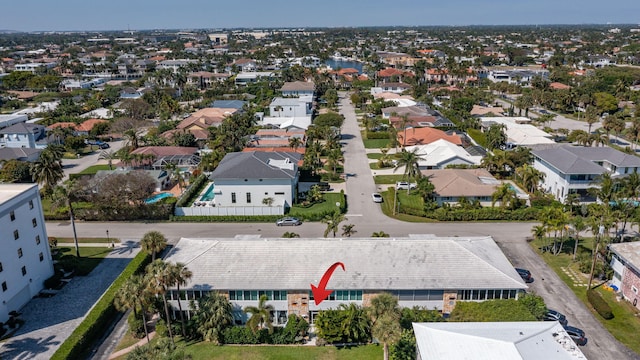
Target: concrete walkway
<point>50,321</point>
<point>129,349</point>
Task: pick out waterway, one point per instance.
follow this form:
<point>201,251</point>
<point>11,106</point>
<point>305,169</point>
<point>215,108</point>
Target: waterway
<point>343,64</point>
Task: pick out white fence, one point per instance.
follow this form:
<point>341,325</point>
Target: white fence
<point>229,210</point>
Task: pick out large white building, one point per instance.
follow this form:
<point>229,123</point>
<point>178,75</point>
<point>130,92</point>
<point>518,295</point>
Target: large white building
<point>25,259</point>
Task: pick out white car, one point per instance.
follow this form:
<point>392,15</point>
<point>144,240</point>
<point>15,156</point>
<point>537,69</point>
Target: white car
<point>403,185</point>
<point>377,198</point>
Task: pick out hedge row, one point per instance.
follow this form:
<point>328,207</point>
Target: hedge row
<point>100,317</point>
<point>598,303</point>
<point>192,191</point>
<point>377,135</point>
<point>485,213</point>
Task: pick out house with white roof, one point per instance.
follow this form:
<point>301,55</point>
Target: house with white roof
<point>298,88</point>
<point>290,112</point>
<point>24,135</point>
<point>517,340</point>
<point>518,130</point>
<point>420,270</point>
<point>574,169</point>
<point>441,153</point>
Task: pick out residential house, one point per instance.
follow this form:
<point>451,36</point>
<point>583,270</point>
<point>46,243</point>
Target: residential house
<point>426,135</point>
<point>516,76</point>
<point>518,130</point>
<point>25,259</point>
<point>395,87</point>
<point>159,156</point>
<point>421,270</point>
<point>246,65</point>
<point>575,169</point>
<point>245,179</point>
<point>20,154</point>
<point>12,119</point>
<point>395,59</point>
<point>293,112</point>
<point>418,116</point>
<point>480,111</point>
<point>273,138</point>
<point>252,77</point>
<point>400,100</point>
<point>200,121</point>
<point>298,89</point>
<point>160,177</point>
<point>391,75</point>
<point>203,79</point>
<point>229,104</point>
<point>85,127</point>
<point>514,340</point>
<point>175,65</point>
<point>452,185</point>
<point>441,153</point>
<point>626,270</point>
<point>24,135</point>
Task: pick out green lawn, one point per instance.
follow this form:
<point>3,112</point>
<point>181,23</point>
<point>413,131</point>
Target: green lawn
<point>625,326</point>
<point>91,170</point>
<point>375,156</point>
<point>411,200</point>
<point>329,203</point>
<point>376,143</point>
<point>387,179</point>
<point>374,166</point>
<point>208,351</point>
<point>69,240</point>
<point>90,257</point>
<point>478,136</point>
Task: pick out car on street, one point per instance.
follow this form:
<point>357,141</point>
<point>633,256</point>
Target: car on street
<point>403,185</point>
<point>553,315</point>
<point>525,275</point>
<point>577,335</point>
<point>289,221</point>
<point>544,112</point>
<point>377,198</point>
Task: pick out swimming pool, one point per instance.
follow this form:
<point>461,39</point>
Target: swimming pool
<point>208,195</point>
<point>158,197</point>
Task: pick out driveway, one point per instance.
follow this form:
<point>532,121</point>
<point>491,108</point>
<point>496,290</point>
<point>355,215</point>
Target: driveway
<point>50,321</point>
<point>72,166</point>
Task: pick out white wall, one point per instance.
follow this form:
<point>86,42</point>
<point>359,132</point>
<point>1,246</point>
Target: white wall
<point>258,189</point>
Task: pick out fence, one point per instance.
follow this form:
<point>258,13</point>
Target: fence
<point>229,210</point>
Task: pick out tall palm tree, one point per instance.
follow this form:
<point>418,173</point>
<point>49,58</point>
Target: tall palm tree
<point>591,116</point>
<point>530,177</point>
<point>333,159</point>
<point>64,195</point>
<point>356,324</point>
<point>409,160</point>
<point>153,242</point>
<point>159,278</point>
<point>133,138</point>
<point>404,121</point>
<point>504,194</point>
<point>47,170</point>
<point>134,295</point>
<point>260,315</point>
<point>108,155</point>
<point>333,221</point>
<point>214,314</point>
<point>182,275</point>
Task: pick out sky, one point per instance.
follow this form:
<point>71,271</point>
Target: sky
<point>68,15</point>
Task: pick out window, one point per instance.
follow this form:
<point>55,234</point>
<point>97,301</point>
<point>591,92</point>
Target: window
<point>248,198</point>
<point>19,252</point>
<point>1,267</point>
<point>30,204</point>
<point>24,270</point>
<point>279,193</point>
<point>233,198</point>
<point>4,286</point>
<point>37,239</point>
<point>41,257</point>
<point>12,215</point>
<point>16,235</point>
<point>34,222</point>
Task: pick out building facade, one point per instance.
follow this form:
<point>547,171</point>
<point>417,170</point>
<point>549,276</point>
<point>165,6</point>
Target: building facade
<point>626,270</point>
<point>25,259</point>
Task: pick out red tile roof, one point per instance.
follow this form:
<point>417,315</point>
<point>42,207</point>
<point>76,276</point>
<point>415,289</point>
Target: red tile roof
<point>426,135</point>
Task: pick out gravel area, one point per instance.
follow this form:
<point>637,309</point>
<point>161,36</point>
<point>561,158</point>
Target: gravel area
<point>50,321</point>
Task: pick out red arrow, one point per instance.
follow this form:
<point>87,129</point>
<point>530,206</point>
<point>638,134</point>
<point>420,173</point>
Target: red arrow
<point>320,292</point>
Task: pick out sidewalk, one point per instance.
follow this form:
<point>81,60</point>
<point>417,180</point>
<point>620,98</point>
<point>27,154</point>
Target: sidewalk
<point>129,349</point>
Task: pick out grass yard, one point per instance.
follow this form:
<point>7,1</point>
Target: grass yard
<point>202,351</point>
<point>376,143</point>
<point>374,166</point>
<point>126,341</point>
<point>375,156</point>
<point>92,170</point>
<point>90,257</point>
<point>69,240</point>
<point>625,326</point>
<point>329,203</point>
<point>387,179</point>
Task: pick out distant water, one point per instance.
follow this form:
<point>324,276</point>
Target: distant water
<point>334,64</point>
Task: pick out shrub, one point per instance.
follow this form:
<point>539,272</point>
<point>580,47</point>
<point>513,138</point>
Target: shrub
<point>192,191</point>
<point>161,328</point>
<point>240,335</point>
<point>377,134</point>
<point>136,325</point>
<point>599,304</point>
<point>53,282</point>
<point>100,316</point>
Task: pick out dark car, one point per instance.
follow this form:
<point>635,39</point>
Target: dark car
<point>323,186</point>
<point>577,335</point>
<point>525,275</point>
<point>553,315</point>
<point>289,221</point>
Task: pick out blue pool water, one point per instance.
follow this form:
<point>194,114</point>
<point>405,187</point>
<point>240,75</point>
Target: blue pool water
<point>208,195</point>
<point>158,197</point>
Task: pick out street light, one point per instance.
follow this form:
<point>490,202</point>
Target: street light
<point>108,240</point>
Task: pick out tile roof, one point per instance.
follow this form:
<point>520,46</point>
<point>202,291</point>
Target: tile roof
<point>87,125</point>
<point>462,182</point>
<point>160,151</point>
<point>426,135</point>
<point>256,165</point>
<point>582,160</point>
<point>298,86</point>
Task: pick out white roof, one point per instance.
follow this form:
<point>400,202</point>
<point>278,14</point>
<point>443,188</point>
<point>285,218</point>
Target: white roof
<point>301,122</point>
<point>519,133</point>
<point>420,262</point>
<point>531,340</point>
<point>440,151</point>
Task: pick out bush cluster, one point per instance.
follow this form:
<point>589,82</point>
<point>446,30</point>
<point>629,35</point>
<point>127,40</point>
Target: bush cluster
<point>377,135</point>
<point>485,213</point>
<point>192,191</point>
<point>292,333</point>
<point>100,316</point>
<point>599,304</point>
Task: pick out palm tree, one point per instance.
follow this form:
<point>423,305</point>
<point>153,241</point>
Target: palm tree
<point>579,226</point>
<point>153,242</point>
<point>530,177</point>
<point>109,155</point>
<point>47,170</point>
<point>65,195</point>
<point>380,234</point>
<point>133,138</point>
<point>404,121</point>
<point>591,116</point>
<point>333,159</point>
<point>134,295</point>
<point>504,194</point>
<point>182,275</point>
<point>348,230</point>
<point>333,221</point>
<point>356,323</point>
<point>410,161</point>
<point>260,315</point>
<point>159,278</point>
<point>214,314</point>
<point>295,142</point>
<point>499,163</point>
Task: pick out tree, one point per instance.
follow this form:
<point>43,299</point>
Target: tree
<point>135,295</point>
<point>348,230</point>
<point>295,142</point>
<point>530,177</point>
<point>333,221</point>
<point>153,242</point>
<point>496,138</point>
<point>380,234</point>
<point>260,315</point>
<point>410,161</point>
<point>15,171</point>
<point>159,278</point>
<point>108,155</point>
<point>213,315</point>
<point>505,195</point>
<point>385,320</point>
<point>356,326</point>
<point>65,195</point>
<point>182,275</point>
<point>47,170</point>
<point>185,139</point>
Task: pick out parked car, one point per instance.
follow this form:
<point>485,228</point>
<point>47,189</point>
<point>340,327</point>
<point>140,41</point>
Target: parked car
<point>289,221</point>
<point>577,335</point>
<point>377,198</point>
<point>403,185</point>
<point>525,275</point>
<point>553,315</point>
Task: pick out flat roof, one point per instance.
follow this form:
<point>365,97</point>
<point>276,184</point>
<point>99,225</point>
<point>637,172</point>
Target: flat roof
<point>412,263</point>
<point>9,191</point>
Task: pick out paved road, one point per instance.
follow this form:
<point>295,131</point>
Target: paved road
<point>72,166</point>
